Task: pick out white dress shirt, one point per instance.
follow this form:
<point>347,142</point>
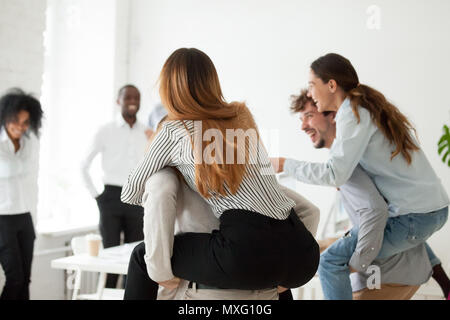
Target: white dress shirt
<point>121,148</point>
<point>18,174</point>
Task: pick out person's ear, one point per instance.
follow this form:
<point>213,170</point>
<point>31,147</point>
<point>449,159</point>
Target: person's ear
<point>332,85</point>
<point>332,117</point>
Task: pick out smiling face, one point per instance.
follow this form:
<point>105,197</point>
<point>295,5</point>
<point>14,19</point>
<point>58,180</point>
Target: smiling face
<point>17,127</point>
<point>129,100</point>
<point>319,127</point>
<point>322,93</point>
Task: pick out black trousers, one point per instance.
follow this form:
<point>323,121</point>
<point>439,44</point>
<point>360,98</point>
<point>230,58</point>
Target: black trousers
<point>249,252</point>
<point>16,254</point>
<point>117,217</point>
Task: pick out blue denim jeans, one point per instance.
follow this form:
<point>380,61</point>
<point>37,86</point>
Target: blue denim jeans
<point>401,233</point>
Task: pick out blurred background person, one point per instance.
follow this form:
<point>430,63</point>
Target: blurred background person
<point>20,121</point>
<point>121,144</point>
<point>157,114</point>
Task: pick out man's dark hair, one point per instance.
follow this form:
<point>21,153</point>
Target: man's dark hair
<point>123,88</point>
<point>16,100</point>
<point>298,103</point>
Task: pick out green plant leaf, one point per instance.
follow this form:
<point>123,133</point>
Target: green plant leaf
<point>444,144</point>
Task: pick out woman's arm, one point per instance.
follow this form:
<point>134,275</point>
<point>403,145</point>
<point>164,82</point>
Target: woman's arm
<point>33,176</point>
<point>94,149</point>
<point>162,152</point>
<point>12,167</point>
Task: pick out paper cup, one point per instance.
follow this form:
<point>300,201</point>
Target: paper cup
<point>94,242</point>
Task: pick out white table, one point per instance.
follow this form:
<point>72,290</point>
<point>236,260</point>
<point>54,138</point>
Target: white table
<point>111,260</point>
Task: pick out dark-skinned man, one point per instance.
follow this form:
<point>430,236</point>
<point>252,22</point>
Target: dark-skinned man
<point>121,144</point>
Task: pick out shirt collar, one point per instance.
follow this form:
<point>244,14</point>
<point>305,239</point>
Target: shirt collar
<point>345,104</point>
<point>120,122</point>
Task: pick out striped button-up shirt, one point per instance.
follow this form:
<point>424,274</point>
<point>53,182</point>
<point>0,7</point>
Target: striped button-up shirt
<point>259,190</point>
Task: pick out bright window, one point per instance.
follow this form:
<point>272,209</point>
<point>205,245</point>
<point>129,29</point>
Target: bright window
<point>77,97</point>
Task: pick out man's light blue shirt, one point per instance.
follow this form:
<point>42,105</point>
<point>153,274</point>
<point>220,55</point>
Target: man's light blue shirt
<point>157,114</point>
<point>413,188</point>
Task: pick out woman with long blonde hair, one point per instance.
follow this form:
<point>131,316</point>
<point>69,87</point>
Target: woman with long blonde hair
<point>261,243</point>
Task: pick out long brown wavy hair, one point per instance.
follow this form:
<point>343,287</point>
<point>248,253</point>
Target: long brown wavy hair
<point>190,90</point>
<point>392,123</point>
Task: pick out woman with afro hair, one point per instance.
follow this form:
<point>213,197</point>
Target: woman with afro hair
<point>20,121</point>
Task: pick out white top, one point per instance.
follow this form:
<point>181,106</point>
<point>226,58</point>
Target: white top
<point>259,190</point>
<point>18,174</point>
<point>121,148</point>
<point>413,188</point>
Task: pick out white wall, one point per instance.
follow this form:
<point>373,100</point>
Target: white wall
<point>85,62</point>
<point>21,43</point>
<point>262,50</point>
